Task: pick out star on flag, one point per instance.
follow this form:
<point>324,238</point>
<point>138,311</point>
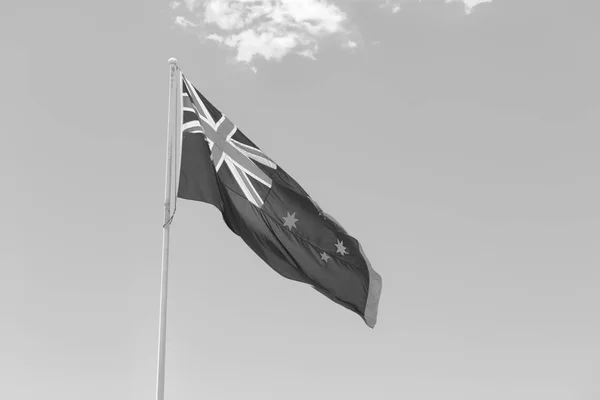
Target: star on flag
<point>340,247</point>
<point>290,220</point>
<point>325,257</point>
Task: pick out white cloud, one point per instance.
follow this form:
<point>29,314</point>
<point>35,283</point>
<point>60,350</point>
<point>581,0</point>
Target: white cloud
<point>470,4</point>
<point>184,23</point>
<point>394,5</point>
<point>308,53</point>
<point>192,4</point>
<point>226,15</point>
<point>269,29</point>
<point>269,44</point>
<point>215,37</point>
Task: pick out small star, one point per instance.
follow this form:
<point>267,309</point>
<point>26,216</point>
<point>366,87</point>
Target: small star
<point>340,247</point>
<point>325,257</point>
<point>290,221</point>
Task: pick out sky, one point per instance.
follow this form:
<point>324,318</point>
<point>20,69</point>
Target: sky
<point>457,141</point>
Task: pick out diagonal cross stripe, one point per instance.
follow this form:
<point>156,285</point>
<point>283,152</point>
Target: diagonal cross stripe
<point>238,157</point>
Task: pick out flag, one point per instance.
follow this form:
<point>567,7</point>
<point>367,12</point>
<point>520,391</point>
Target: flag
<point>269,210</point>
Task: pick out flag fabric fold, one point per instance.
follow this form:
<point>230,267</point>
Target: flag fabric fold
<point>269,210</point>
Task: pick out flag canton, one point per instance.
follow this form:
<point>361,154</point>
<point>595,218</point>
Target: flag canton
<point>236,159</point>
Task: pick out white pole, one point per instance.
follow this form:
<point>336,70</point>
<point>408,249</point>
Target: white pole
<point>162,336</point>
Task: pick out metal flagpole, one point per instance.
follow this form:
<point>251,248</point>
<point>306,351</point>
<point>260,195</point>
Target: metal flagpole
<point>162,336</point>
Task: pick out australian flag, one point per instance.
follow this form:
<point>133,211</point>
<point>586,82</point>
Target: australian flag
<point>269,210</point>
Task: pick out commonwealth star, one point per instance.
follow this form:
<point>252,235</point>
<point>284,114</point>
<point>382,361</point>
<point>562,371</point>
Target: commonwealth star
<point>290,221</point>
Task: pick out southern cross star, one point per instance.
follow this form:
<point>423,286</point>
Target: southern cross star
<point>325,257</point>
<point>290,221</point>
<point>340,247</point>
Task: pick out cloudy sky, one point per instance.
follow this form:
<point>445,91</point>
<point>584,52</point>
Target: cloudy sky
<point>458,141</point>
<point>272,29</point>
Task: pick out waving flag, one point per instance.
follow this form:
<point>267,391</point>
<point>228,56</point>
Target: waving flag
<point>269,210</point>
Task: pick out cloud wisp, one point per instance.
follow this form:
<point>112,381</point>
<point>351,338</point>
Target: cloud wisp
<point>272,29</point>
<point>470,4</point>
<point>184,23</point>
<point>395,5</point>
<point>269,29</point>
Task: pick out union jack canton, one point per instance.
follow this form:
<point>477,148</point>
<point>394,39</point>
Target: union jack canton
<point>225,143</point>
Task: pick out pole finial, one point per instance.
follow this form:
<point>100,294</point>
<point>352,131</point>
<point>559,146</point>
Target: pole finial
<point>173,61</point>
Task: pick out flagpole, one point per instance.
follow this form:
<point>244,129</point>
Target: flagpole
<point>162,336</point>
